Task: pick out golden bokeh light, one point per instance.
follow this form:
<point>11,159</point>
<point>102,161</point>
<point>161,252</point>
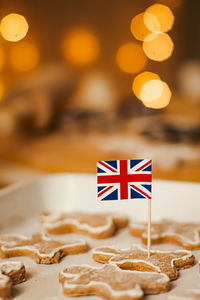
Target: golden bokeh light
<point>24,56</point>
<point>1,90</point>
<point>138,28</point>
<point>2,58</point>
<point>13,27</point>
<point>158,47</point>
<point>151,90</point>
<point>158,92</point>
<point>80,47</point>
<point>130,58</point>
<point>158,18</point>
<point>140,80</point>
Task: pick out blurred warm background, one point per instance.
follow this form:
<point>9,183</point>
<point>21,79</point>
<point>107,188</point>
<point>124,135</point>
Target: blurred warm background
<point>82,81</point>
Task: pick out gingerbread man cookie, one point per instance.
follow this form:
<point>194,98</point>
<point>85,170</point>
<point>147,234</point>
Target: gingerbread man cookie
<point>189,294</point>
<point>11,272</point>
<point>43,249</point>
<point>98,226</point>
<point>110,282</point>
<point>136,258</point>
<point>186,235</point>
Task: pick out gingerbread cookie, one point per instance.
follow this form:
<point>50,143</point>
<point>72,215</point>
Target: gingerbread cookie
<point>186,235</point>
<point>43,249</point>
<point>11,272</point>
<point>5,286</point>
<point>98,226</point>
<point>110,282</point>
<point>136,258</point>
<point>189,294</point>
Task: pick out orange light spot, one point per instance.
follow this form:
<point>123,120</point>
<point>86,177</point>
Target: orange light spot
<point>138,28</point>
<point>158,18</point>
<point>80,47</point>
<point>151,90</point>
<point>158,47</point>
<point>130,58</point>
<point>13,27</point>
<point>24,56</point>
<point>140,80</point>
<point>155,94</point>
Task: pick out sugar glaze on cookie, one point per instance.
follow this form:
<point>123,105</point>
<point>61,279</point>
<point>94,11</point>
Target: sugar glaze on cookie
<point>186,235</point>
<point>41,248</point>
<point>136,258</point>
<point>9,266</point>
<point>96,225</point>
<point>110,282</point>
<point>11,272</point>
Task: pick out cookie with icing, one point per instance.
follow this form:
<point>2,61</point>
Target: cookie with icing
<point>98,226</point>
<point>11,272</point>
<point>136,258</point>
<point>186,235</point>
<point>41,248</point>
<point>110,282</point>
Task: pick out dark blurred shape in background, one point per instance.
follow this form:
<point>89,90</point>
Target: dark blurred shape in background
<point>66,99</point>
<point>35,103</point>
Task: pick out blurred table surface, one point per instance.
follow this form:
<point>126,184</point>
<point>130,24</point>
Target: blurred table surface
<point>60,152</point>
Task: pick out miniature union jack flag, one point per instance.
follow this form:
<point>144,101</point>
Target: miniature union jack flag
<point>124,179</point>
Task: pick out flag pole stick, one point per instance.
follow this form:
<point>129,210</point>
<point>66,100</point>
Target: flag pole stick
<point>149,228</point>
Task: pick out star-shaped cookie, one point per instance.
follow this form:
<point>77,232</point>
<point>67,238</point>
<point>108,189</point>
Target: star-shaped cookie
<point>136,258</point>
<point>186,235</point>
<point>43,249</point>
<point>110,282</point>
<point>11,272</point>
<point>98,226</point>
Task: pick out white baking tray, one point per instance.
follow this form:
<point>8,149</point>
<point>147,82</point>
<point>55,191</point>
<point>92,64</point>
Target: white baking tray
<point>21,205</point>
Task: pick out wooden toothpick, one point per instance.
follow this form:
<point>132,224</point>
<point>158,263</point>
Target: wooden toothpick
<point>149,228</point>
